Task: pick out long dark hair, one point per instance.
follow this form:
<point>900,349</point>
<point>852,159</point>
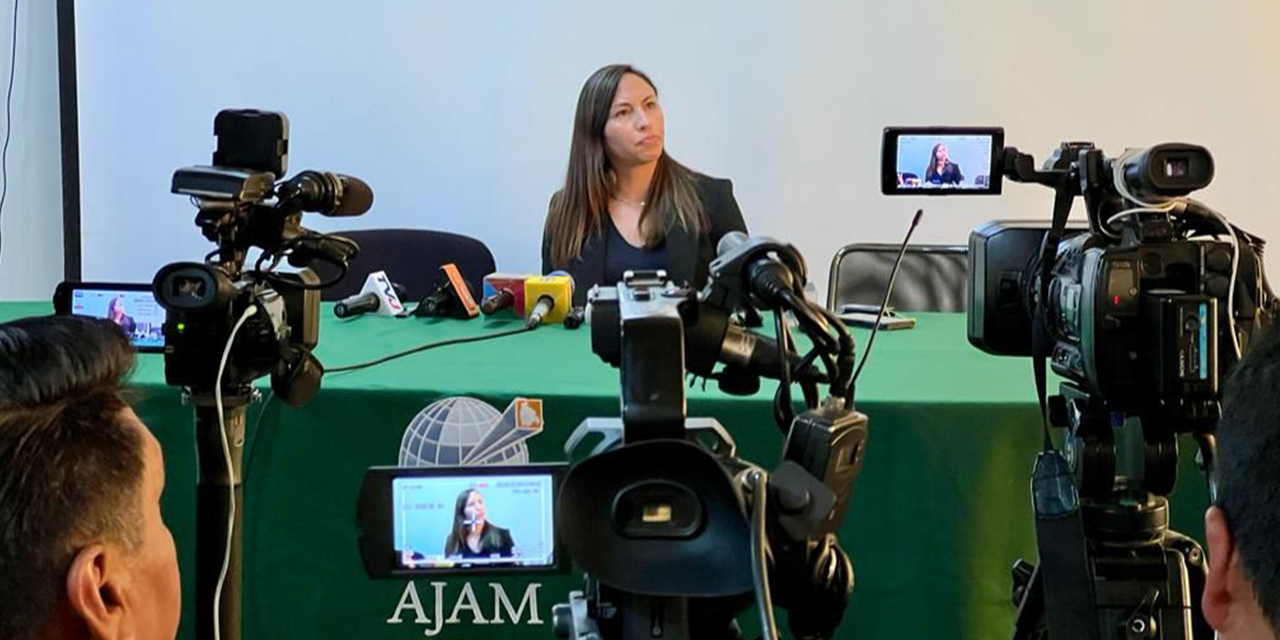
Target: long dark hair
<point>932,169</point>
<point>458,534</point>
<point>579,207</point>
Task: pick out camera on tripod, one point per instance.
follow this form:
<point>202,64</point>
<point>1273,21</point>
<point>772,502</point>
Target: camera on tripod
<point>1143,310</point>
<point>227,326</point>
<point>1141,303</point>
<point>241,207</point>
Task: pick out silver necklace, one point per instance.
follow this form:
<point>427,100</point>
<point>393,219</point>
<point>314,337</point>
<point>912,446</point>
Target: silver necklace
<point>640,204</point>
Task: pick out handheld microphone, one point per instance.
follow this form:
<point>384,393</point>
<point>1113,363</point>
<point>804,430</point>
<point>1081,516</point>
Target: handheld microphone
<point>547,299</point>
<point>452,298</point>
<point>329,194</point>
<point>503,291</point>
<point>379,295</point>
<point>577,316</point>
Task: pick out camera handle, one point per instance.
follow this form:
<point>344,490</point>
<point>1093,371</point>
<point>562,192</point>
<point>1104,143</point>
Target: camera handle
<point>611,432</point>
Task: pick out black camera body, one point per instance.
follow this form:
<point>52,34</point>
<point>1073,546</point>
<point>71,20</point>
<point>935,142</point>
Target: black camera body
<point>1131,320</point>
<point>665,523</point>
<point>240,208</point>
<point>1138,305</point>
<point>204,305</point>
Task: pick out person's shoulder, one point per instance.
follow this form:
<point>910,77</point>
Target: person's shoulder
<point>711,183</point>
<point>714,192</point>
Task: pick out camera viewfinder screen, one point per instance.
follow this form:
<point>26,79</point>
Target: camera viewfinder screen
<point>135,311</point>
<point>935,161</point>
<point>944,162</point>
<point>473,521</point>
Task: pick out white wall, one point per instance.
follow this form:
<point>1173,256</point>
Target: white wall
<point>31,221</point>
<point>458,113</point>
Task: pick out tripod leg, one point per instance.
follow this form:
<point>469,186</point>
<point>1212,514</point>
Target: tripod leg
<point>1197,570</point>
<point>1030,624</point>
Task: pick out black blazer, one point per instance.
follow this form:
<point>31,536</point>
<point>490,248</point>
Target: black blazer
<point>687,256</point>
<point>950,174</point>
<point>494,541</point>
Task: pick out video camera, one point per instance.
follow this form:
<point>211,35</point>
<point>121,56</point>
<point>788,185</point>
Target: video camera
<point>227,326</point>
<point>242,207</point>
<point>674,531</point>
<point>1142,310</point>
<point>663,522</point>
<point>1139,304</point>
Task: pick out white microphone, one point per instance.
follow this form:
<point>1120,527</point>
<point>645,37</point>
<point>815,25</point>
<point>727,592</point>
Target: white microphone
<point>378,295</point>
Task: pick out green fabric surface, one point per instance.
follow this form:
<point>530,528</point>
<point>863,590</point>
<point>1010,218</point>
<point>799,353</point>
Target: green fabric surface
<point>939,513</point>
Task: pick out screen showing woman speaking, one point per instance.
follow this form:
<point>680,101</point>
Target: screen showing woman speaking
<point>941,160</point>
<point>482,520</point>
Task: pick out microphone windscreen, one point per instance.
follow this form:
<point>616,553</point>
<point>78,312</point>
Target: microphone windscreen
<point>357,198</point>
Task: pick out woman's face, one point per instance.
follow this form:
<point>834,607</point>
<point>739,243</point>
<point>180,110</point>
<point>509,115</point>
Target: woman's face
<point>634,132</point>
<point>941,156</point>
<point>474,511</point>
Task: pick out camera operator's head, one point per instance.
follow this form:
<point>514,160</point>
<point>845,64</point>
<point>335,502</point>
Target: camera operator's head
<point>1242,594</point>
<point>84,552</point>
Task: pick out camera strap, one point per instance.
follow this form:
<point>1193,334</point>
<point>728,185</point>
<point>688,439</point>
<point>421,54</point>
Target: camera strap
<point>1064,566</point>
<point>1040,337</point>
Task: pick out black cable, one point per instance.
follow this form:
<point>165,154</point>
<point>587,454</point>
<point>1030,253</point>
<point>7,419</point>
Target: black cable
<point>819,328</point>
<point>799,371</point>
<point>782,412</point>
<point>822,323</point>
<point>425,347</point>
<point>760,557</point>
<point>8,114</point>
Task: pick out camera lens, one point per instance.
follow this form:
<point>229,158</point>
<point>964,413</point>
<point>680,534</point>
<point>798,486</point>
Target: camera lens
<point>189,287</point>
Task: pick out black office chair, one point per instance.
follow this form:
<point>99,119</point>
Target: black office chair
<point>412,258</point>
<point>932,277</point>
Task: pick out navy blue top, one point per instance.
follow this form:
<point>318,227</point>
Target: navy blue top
<point>621,257</point>
<point>685,256</point>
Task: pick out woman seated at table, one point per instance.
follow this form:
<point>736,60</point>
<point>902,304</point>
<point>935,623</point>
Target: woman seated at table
<point>941,169</point>
<point>626,204</point>
<point>472,535</point>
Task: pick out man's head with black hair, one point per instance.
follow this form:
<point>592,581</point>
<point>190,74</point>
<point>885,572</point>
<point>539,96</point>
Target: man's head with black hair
<point>84,552</point>
<point>1242,594</point>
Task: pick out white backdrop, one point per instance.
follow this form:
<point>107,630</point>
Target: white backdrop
<point>31,221</point>
<point>459,113</point>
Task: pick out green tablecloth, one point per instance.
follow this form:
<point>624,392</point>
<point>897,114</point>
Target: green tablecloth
<point>939,513</point>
